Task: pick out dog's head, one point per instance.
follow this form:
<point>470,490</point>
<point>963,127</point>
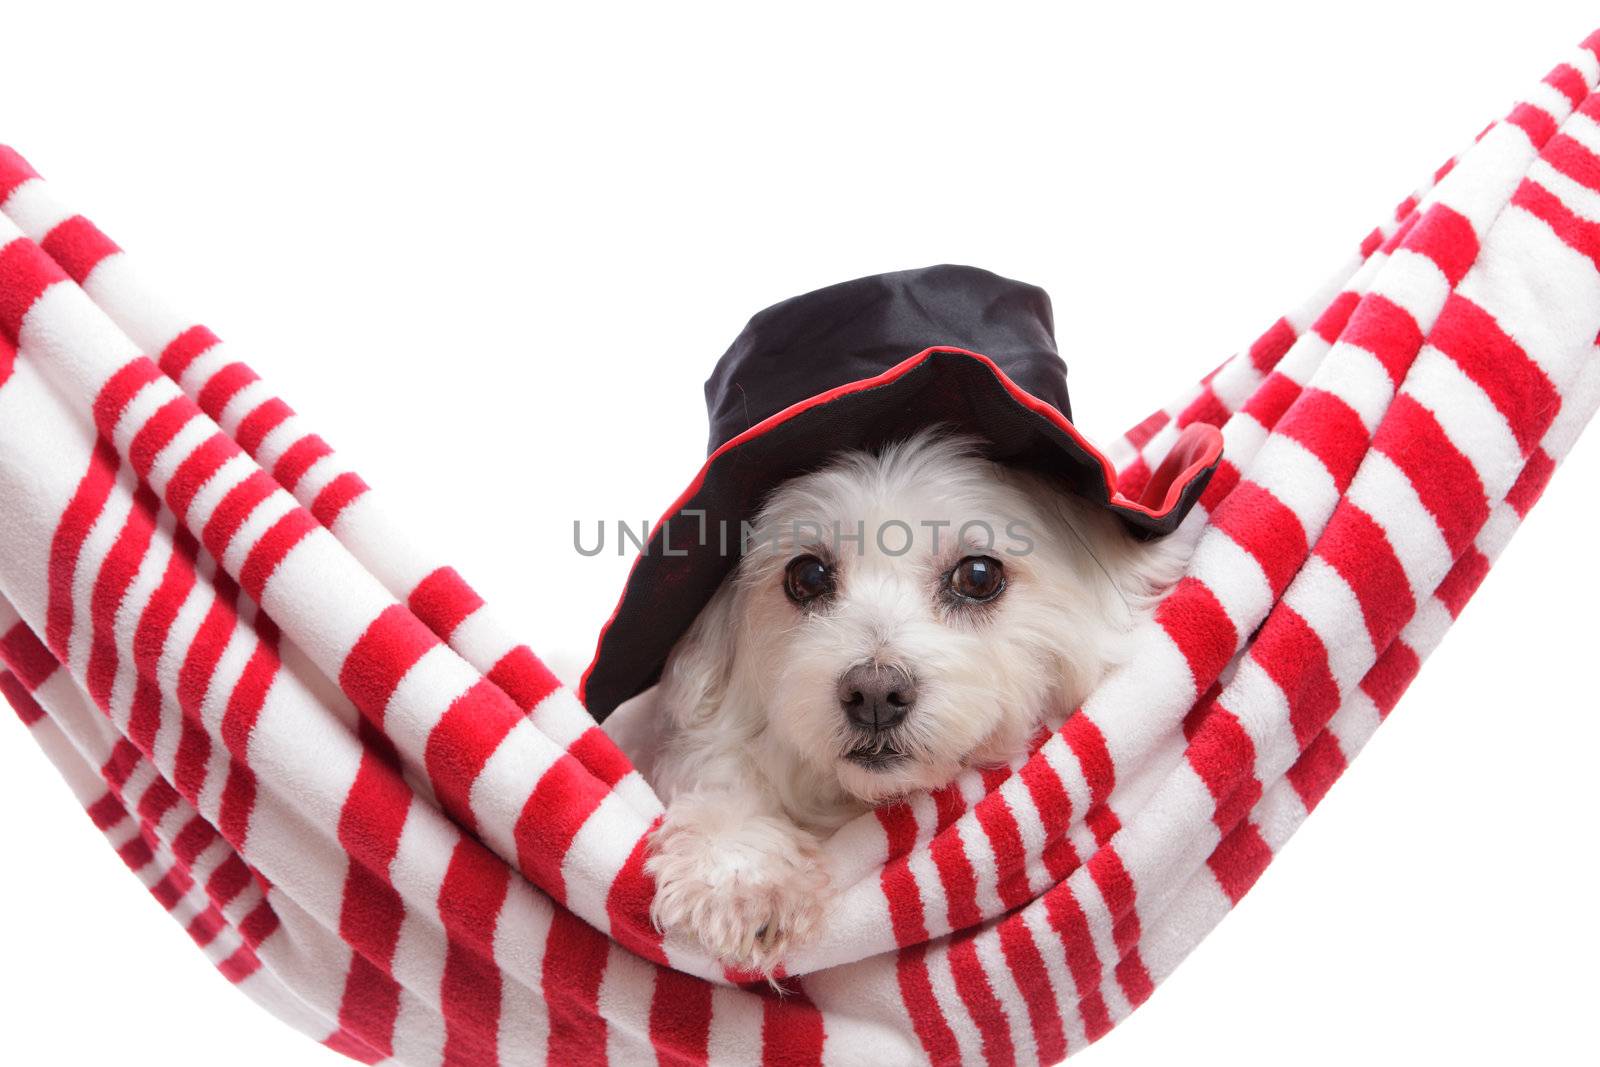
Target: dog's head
<point>897,616</point>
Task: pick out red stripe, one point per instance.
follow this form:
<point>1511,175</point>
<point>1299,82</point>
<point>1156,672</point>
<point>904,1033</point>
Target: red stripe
<point>119,390</point>
<point>978,997</point>
<point>1027,967</point>
<point>927,1018</point>
<point>371,912</point>
<point>1111,878</point>
<point>1388,678</point>
<point>1270,533</point>
<point>1573,159</point>
<point>155,622</point>
<point>106,812</point>
<point>1446,480</point>
<point>474,891</point>
<point>197,469</point>
<point>462,741</point>
<point>195,837</point>
<point>1530,484</point>
<point>194,752</point>
<point>1517,385</point>
<point>524,677</point>
<point>1102,823</point>
<point>1314,772</point>
<point>1401,232</point>
<point>1569,83</point>
<point>232,511</point>
<point>1330,324</point>
<point>185,349</point>
<point>1134,978</point>
<point>254,427</point>
<point>111,585</point>
<point>239,966</point>
<point>1463,580</point>
<point>205,650</point>
<point>25,273</point>
<point>158,432</point>
<point>1207,408</point>
<point>121,764</point>
<point>78,246</point>
<point>791,1029</point>
<point>67,542</point>
<point>1534,122</point>
<point>228,880</point>
<point>1329,429</point>
<point>159,798</point>
<point>1271,399</point>
<point>999,825</point>
<point>222,387</point>
<point>1051,801</point>
<point>239,719</point>
<point>14,170</point>
<point>559,805</point>
<point>1067,920</point>
<point>1223,756</point>
<point>1445,236</point>
<point>1578,233</point>
<point>298,458</point>
<point>899,885</point>
<point>1089,746</point>
<point>442,600</point>
<point>276,544</point>
<point>1140,435</point>
<point>238,801</point>
<point>955,872</point>
<point>389,648</point>
<point>574,964</point>
<point>1239,860</point>
<point>20,699</point>
<point>1222,483</point>
<point>336,496</point>
<point>1371,243</point>
<point>1291,652</point>
<point>1357,548</point>
<point>1388,331</point>
<point>680,1018</point>
<point>1194,619</point>
<point>25,655</point>
<point>600,756</point>
<point>1272,346</point>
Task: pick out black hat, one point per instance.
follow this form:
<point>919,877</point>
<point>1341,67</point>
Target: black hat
<point>858,365</point>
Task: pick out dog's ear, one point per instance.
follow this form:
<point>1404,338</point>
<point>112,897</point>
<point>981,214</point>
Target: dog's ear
<point>695,678</point>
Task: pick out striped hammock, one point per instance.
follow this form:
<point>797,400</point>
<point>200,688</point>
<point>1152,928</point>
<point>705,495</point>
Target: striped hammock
<point>379,815</point>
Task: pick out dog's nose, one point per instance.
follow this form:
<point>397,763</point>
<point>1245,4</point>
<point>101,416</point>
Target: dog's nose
<point>875,697</point>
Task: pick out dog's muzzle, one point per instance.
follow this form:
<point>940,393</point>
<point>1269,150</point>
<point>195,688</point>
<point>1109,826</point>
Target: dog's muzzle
<point>875,697</point>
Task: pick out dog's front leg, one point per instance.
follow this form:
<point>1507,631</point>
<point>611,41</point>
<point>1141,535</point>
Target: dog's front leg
<point>737,875</point>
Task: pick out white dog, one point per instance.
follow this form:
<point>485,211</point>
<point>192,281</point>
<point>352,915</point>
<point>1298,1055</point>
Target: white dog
<point>896,618</point>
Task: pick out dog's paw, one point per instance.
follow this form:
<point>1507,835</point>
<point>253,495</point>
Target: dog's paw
<point>751,890</point>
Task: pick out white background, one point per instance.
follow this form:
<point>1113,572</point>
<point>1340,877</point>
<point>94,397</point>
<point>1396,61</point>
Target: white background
<point>492,253</point>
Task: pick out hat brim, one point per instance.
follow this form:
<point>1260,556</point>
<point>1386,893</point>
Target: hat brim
<point>688,555</point>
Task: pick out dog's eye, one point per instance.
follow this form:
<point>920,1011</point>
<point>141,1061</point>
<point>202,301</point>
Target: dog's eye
<point>807,578</point>
<point>978,578</point>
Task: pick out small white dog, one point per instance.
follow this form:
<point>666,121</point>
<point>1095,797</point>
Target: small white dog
<point>896,618</point>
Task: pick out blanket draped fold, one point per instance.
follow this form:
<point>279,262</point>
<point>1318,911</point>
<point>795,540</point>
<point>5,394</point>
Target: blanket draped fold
<point>378,814</point>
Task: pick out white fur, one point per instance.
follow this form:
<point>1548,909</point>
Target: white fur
<point>753,766</point>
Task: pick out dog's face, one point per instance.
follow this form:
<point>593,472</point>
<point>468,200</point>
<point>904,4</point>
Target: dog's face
<point>899,616</point>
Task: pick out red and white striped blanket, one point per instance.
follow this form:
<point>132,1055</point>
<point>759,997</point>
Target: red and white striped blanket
<point>379,815</point>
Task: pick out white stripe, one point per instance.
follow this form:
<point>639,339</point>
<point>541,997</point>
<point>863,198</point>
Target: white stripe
<point>1468,418</point>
